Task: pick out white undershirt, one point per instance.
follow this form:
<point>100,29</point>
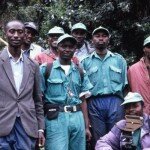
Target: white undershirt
<point>66,68</point>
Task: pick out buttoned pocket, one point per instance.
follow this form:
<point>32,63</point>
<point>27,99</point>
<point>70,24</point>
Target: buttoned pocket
<point>92,74</point>
<point>55,87</point>
<point>115,74</point>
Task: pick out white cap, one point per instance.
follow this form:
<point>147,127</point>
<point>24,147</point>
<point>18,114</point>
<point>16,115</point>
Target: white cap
<point>100,28</point>
<point>132,97</point>
<point>146,41</point>
<point>66,36</point>
<point>56,30</point>
<point>79,26</point>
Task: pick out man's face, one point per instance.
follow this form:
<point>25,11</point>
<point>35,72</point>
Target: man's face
<point>79,35</point>
<point>52,40</point>
<point>29,36</point>
<point>134,109</point>
<point>66,49</point>
<point>15,33</point>
<point>100,40</point>
<point>147,51</point>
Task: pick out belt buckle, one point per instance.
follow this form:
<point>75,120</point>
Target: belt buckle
<point>74,108</point>
<point>65,108</point>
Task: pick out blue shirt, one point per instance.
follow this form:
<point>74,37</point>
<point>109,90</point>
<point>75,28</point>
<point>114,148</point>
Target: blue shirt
<point>107,75</point>
<point>61,88</point>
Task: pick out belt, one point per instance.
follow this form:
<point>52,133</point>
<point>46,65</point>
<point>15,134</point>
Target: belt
<point>62,108</point>
<point>68,108</point>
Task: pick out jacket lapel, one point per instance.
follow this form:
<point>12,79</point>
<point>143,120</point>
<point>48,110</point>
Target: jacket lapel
<point>26,73</point>
<point>7,67</point>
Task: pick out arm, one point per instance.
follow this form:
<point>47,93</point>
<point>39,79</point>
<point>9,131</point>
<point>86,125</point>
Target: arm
<point>86,86</point>
<point>110,141</point>
<point>37,96</point>
<point>86,118</point>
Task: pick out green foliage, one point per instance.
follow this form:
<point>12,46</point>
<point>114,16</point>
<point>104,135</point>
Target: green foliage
<point>128,21</point>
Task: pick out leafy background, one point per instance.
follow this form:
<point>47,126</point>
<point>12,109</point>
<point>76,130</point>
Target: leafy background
<point>127,20</point>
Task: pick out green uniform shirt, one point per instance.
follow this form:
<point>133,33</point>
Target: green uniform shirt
<point>61,88</point>
<point>107,75</point>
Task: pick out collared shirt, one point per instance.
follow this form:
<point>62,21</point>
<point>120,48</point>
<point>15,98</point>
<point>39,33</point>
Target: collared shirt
<point>83,52</point>
<point>107,75</point>
<point>17,69</point>
<point>33,51</point>
<point>139,81</point>
<point>61,88</point>
<point>46,57</point>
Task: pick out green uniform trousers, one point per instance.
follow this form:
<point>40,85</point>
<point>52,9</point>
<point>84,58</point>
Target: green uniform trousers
<point>67,132</point>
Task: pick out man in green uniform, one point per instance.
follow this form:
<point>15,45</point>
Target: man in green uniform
<point>65,91</point>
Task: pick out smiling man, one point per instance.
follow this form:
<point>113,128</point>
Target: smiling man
<point>107,73</point>
<point>51,53</point>
<point>28,46</point>
<point>21,109</point>
<point>140,135</point>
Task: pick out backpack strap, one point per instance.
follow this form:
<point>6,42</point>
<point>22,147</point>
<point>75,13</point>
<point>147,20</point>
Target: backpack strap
<point>81,72</point>
<point>48,71</point>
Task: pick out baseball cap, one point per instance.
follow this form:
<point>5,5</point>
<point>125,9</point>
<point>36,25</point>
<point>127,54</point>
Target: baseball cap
<point>100,28</point>
<point>56,30</point>
<point>132,97</point>
<point>146,41</point>
<point>78,26</point>
<point>32,26</point>
<point>66,36</point>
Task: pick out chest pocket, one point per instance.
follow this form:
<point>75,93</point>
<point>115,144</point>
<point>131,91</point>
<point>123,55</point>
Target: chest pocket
<point>115,74</point>
<point>55,87</point>
<point>92,73</point>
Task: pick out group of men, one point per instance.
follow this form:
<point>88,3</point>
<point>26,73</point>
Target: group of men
<point>76,86</point>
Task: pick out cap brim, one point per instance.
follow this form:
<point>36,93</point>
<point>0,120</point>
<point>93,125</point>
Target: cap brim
<point>79,29</point>
<point>103,30</point>
<point>73,40</point>
<point>34,30</point>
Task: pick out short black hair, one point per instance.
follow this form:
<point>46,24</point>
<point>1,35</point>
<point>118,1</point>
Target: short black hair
<point>10,21</point>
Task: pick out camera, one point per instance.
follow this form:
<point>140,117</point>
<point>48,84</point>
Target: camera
<point>127,141</point>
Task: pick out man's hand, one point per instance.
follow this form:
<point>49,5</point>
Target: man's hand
<point>88,134</point>
<point>41,139</point>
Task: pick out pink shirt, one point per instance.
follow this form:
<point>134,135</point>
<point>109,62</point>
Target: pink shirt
<point>45,57</point>
<point>48,57</point>
<point>139,81</point>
